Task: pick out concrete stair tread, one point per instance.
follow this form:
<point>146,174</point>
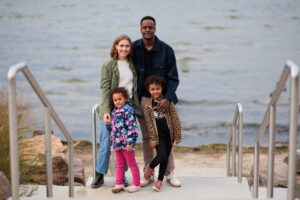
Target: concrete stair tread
<point>278,193</point>
<point>192,188</point>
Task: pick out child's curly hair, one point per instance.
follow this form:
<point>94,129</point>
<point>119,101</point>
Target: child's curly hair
<point>121,90</point>
<point>154,79</point>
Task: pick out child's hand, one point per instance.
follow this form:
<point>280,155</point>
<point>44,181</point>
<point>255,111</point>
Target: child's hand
<point>129,148</point>
<point>107,119</point>
<point>163,106</point>
<point>153,144</point>
<point>177,141</point>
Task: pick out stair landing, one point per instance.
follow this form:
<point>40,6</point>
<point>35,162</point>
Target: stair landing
<point>192,188</point>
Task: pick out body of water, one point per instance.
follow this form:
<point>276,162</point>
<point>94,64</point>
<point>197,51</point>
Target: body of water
<point>227,52</point>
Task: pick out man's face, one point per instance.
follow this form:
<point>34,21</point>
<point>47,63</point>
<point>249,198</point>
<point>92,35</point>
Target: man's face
<point>148,29</point>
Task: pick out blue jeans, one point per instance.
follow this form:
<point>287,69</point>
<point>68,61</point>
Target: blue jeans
<point>104,151</point>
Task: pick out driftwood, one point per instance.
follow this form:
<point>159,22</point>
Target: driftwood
<point>286,160</point>
<point>280,173</point>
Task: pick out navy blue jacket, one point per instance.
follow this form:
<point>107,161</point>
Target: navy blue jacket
<point>163,64</point>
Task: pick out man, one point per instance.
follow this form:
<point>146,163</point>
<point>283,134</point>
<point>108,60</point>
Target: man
<point>154,57</point>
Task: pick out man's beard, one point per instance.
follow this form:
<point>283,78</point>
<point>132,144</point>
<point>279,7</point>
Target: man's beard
<point>148,39</point>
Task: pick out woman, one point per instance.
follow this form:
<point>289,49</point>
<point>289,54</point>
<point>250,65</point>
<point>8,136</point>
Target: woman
<point>118,71</point>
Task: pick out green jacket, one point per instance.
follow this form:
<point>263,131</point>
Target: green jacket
<point>110,80</point>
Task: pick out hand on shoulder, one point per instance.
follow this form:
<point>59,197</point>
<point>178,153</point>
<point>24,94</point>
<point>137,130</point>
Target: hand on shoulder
<point>163,105</point>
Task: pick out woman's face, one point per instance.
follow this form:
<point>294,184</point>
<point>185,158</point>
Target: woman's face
<point>123,48</point>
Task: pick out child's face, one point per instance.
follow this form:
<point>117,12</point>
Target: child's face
<point>119,100</point>
<point>155,90</point>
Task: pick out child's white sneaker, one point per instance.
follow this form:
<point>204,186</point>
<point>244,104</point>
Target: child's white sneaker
<point>117,188</point>
<point>133,188</point>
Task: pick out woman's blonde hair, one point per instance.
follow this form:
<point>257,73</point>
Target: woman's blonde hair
<point>114,51</point>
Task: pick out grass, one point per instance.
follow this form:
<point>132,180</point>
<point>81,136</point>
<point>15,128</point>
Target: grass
<point>23,117</point>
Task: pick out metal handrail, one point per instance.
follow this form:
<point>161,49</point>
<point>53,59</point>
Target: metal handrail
<point>13,130</point>
<point>95,112</point>
<point>238,117</point>
<point>292,70</point>
<point>94,134</point>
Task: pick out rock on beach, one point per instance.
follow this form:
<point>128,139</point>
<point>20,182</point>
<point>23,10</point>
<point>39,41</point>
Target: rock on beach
<point>33,150</point>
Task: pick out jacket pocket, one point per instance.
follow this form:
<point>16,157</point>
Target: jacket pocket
<point>159,69</point>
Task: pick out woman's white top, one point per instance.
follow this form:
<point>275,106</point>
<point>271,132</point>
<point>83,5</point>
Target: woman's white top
<point>126,76</point>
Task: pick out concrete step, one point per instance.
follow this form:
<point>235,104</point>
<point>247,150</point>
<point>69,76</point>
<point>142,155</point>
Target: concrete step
<point>192,188</point>
<point>278,193</point>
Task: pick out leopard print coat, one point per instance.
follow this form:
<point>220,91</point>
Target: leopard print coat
<point>172,119</point>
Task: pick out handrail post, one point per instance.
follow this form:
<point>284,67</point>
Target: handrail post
<point>94,137</point>
<point>113,164</point>
<point>13,126</point>
<point>59,123</point>
<point>95,111</point>
<point>238,117</point>
<point>48,152</point>
<point>256,169</point>
<point>291,70</point>
<point>272,127</point>
<point>228,160</point>
<point>13,135</point>
<point>233,151</point>
<point>71,168</point>
<point>240,158</point>
<point>294,105</point>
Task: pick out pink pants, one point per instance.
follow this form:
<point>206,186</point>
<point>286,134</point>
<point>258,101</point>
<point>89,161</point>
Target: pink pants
<point>121,156</point>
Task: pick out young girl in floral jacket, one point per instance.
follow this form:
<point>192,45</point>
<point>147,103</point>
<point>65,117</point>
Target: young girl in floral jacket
<point>124,135</point>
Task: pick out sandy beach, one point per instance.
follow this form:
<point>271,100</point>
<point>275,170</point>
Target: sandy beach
<point>206,161</point>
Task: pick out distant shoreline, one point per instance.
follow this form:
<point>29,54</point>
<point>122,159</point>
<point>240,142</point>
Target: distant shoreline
<point>281,147</point>
<point>205,160</point>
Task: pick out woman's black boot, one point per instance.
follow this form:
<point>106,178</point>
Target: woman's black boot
<point>98,181</point>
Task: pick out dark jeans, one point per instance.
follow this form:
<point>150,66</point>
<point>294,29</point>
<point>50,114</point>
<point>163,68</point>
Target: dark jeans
<point>163,150</point>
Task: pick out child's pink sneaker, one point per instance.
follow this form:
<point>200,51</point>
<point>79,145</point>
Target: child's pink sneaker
<point>133,188</point>
<point>148,172</point>
<point>157,185</point>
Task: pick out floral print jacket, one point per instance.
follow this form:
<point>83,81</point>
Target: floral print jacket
<point>124,128</point>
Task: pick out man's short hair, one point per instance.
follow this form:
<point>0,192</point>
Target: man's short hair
<point>146,18</point>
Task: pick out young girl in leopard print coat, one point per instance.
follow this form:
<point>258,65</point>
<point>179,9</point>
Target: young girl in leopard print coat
<point>164,128</point>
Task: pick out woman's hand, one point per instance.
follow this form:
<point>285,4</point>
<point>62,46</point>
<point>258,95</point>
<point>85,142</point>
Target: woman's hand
<point>153,144</point>
<point>129,148</point>
<point>163,105</point>
<point>107,119</point>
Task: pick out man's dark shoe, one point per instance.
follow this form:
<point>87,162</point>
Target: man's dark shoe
<point>98,181</point>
